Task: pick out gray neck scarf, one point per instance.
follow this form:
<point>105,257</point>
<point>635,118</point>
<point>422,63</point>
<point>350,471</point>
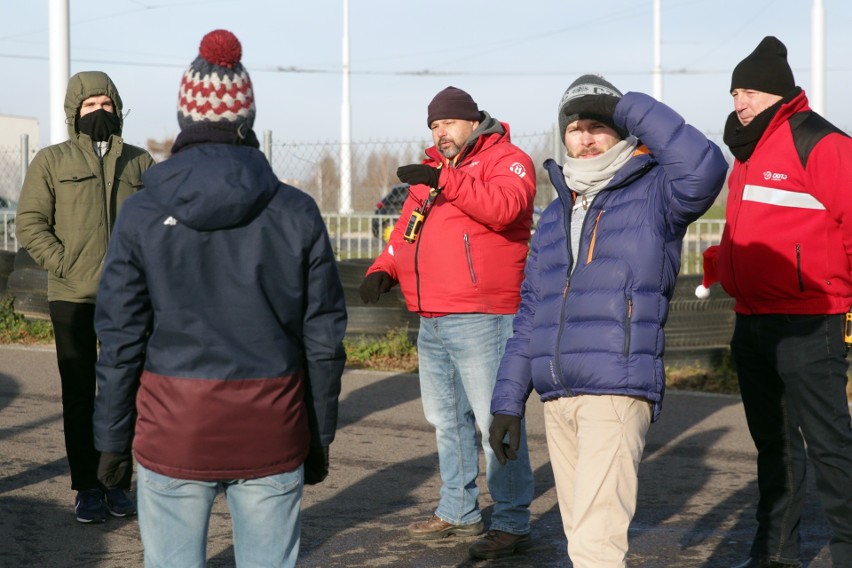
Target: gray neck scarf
<point>588,176</point>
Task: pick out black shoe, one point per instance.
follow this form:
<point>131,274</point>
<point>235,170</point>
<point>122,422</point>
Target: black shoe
<point>497,544</point>
<point>755,563</point>
<point>89,506</point>
<point>119,503</point>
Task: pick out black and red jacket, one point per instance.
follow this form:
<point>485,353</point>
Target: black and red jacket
<point>787,244</point>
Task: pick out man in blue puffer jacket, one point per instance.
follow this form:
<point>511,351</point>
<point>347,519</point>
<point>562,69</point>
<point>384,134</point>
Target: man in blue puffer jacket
<point>588,335</point>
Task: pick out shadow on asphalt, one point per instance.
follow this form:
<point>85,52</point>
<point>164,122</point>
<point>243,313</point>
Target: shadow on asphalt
<point>679,518</point>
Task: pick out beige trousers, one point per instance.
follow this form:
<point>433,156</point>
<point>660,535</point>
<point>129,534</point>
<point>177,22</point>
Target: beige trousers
<point>595,445</point>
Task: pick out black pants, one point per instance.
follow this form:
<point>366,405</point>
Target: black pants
<point>792,375</point>
<point>77,353</point>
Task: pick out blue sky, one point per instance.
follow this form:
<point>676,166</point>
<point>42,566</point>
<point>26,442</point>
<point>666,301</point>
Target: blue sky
<point>515,58</point>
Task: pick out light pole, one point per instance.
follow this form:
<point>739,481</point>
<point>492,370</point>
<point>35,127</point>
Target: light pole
<point>816,95</point>
<point>59,64</point>
<point>345,125</point>
<point>658,51</point>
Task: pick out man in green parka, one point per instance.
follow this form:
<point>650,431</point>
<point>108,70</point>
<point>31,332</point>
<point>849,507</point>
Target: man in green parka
<point>68,204</point>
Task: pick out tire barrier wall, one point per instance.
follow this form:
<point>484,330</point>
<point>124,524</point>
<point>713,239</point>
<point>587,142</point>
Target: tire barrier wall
<point>7,264</point>
<point>27,284</point>
<point>698,331</point>
<point>373,320</point>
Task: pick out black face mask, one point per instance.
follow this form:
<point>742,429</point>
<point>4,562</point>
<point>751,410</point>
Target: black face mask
<point>99,125</point>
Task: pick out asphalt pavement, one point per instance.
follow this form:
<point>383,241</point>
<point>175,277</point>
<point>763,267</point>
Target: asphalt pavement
<point>696,492</point>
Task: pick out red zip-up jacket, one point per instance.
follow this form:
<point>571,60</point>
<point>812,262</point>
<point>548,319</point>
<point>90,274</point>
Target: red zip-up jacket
<point>787,244</point>
<point>471,251</point>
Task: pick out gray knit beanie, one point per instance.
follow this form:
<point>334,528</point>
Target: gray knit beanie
<point>586,85</point>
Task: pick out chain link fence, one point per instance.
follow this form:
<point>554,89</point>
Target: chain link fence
<point>314,167</point>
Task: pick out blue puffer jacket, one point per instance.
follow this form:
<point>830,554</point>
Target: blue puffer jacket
<point>600,329</point>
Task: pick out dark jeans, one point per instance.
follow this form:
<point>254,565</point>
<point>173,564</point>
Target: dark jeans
<point>77,353</point>
<point>792,375</point>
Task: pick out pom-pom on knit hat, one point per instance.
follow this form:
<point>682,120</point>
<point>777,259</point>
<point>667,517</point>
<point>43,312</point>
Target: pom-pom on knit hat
<point>216,87</point>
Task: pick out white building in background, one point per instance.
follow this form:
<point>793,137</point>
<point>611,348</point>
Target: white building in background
<point>14,157</point>
<point>11,128</point>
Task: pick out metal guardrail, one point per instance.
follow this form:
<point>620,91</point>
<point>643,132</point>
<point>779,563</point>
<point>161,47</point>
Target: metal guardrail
<point>8,240</point>
<point>356,236</point>
<point>362,236</point>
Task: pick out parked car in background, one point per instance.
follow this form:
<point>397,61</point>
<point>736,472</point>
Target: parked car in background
<point>390,204</point>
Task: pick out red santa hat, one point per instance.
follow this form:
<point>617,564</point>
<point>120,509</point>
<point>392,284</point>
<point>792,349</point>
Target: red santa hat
<point>711,276</point>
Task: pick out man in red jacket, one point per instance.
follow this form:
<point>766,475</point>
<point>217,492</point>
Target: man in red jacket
<point>458,253</point>
<point>785,257</point>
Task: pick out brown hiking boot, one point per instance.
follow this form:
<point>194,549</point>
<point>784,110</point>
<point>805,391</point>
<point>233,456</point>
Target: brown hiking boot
<point>497,544</point>
<point>436,528</point>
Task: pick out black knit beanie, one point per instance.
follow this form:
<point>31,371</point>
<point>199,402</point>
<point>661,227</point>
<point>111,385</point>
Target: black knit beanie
<point>765,69</point>
<point>452,103</point>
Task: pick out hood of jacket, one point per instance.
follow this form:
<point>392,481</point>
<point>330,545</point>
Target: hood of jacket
<point>212,186</point>
<point>84,85</point>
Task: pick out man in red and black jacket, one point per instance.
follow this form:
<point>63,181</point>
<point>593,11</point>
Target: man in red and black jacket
<point>458,254</point>
<point>785,257</point>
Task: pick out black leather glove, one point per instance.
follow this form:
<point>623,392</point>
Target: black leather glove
<point>501,425</point>
<point>113,468</point>
<point>316,465</point>
<point>374,285</point>
<point>419,174</point>
<point>588,106</point>
<point>597,107</point>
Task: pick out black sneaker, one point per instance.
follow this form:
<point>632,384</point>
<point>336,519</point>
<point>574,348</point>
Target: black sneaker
<point>89,506</point>
<point>119,503</point>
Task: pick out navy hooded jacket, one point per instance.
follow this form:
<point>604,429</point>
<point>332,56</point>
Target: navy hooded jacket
<point>599,330</point>
<point>220,301</point>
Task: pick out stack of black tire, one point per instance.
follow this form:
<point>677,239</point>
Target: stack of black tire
<point>7,264</point>
<point>27,284</point>
<point>373,320</point>
<point>698,331</point>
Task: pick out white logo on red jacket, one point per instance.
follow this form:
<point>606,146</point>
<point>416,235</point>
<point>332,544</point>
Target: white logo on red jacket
<point>767,175</point>
<point>519,169</point>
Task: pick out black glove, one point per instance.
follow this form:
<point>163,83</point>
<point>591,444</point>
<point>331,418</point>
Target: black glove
<point>505,424</point>
<point>374,286</point>
<point>419,174</point>
<point>597,107</point>
<point>316,465</point>
<point>114,468</point>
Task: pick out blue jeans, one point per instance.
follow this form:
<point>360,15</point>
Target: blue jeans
<point>792,375</point>
<point>174,515</point>
<point>458,356</point>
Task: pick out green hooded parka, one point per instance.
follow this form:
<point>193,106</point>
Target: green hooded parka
<point>71,197</point>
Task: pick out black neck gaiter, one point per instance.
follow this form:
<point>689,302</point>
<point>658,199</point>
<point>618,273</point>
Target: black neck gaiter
<point>215,133</point>
<point>99,125</point>
<point>742,140</point>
